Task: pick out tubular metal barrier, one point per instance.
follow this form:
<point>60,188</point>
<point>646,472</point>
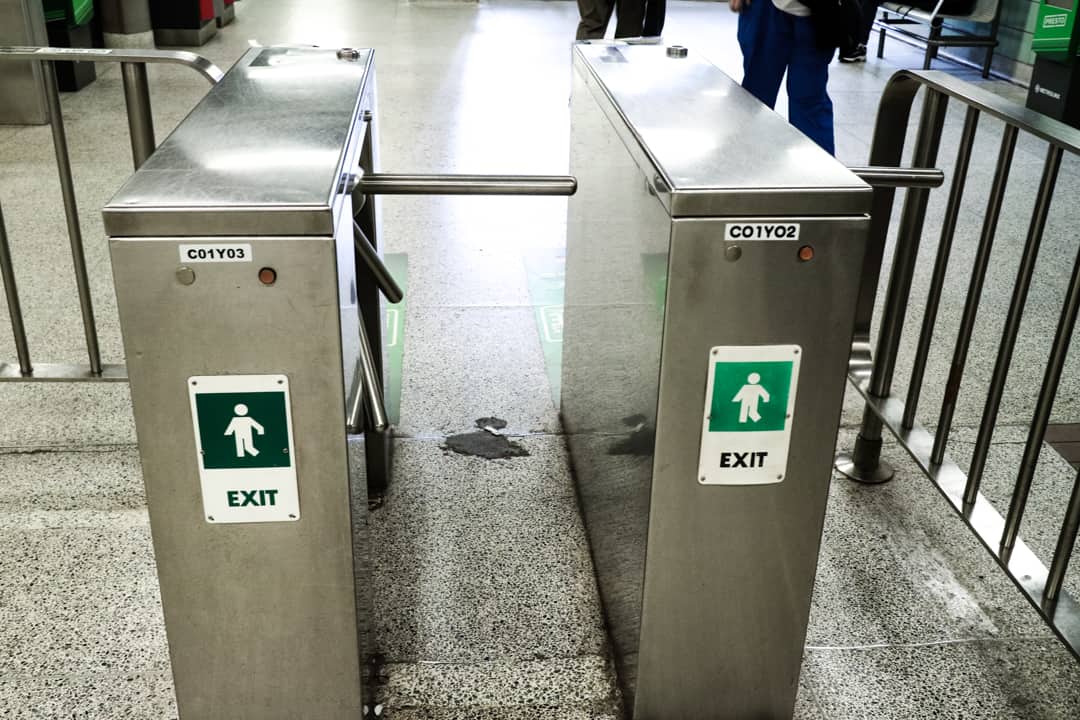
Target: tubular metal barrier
<point>141,125</point>
<point>874,380</point>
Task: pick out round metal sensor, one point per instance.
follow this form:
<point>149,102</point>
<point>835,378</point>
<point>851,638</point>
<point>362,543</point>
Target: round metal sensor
<point>268,276</point>
<point>185,275</point>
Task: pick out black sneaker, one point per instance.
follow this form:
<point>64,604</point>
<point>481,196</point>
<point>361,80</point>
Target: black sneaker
<point>854,55</point>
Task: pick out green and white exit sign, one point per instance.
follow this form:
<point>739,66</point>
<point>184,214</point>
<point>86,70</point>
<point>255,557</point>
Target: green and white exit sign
<point>244,446</point>
<point>749,410</point>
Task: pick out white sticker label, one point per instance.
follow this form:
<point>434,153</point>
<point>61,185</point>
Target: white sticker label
<point>215,252</point>
<point>749,409</point>
<point>761,231</point>
<point>244,448</point>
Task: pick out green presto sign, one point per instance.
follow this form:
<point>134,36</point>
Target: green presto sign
<point>1054,36</point>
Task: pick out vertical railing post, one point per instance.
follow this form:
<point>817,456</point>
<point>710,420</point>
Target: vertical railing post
<point>7,271</point>
<point>67,189</point>
<point>864,464</point>
<point>1059,565</point>
<point>1059,351</point>
<point>140,119</point>
<point>941,266</point>
<point>970,313</point>
<point>1011,330</point>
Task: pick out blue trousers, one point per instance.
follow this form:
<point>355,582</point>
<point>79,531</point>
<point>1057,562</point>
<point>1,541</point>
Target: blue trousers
<point>774,42</point>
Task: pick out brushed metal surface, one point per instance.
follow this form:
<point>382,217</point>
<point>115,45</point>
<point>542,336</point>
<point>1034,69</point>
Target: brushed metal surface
<point>695,125</point>
<point>186,37</point>
<point>63,372</point>
<point>617,244</point>
<point>261,618</point>
<point>730,569</point>
<point>262,154</point>
<point>706,589</point>
<point>22,90</point>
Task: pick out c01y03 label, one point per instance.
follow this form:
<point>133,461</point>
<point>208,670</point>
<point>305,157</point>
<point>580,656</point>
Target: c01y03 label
<point>215,252</point>
<point>761,231</point>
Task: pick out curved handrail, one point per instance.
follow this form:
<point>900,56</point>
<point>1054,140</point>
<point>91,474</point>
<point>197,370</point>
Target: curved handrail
<point>901,87</point>
<point>887,149</point>
<point>198,63</point>
<point>141,126</point>
<point>873,376</point>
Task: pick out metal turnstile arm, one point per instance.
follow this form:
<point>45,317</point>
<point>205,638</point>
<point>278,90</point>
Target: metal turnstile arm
<point>390,184</point>
<point>900,177</point>
<point>367,390</point>
<point>368,254</point>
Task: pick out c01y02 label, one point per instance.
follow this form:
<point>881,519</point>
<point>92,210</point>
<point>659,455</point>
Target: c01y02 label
<point>761,231</point>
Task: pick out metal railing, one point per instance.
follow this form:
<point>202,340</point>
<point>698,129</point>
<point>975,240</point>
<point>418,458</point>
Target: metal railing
<point>874,379</point>
<point>141,125</point>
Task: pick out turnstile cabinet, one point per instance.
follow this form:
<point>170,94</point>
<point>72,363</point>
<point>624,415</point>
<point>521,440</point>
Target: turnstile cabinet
<point>22,85</point>
<point>713,258</point>
<point>232,249</point>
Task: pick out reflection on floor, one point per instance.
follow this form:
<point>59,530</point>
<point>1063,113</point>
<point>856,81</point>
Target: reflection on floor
<point>486,602</point>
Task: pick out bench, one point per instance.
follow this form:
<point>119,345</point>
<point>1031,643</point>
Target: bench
<point>896,15</point>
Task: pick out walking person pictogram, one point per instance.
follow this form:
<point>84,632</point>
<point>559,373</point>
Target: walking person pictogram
<point>750,395</point>
<point>240,428</point>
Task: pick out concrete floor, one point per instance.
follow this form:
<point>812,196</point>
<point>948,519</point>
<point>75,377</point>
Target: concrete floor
<point>486,604</point>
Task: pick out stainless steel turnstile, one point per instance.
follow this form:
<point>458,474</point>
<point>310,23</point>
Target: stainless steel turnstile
<point>713,259</point>
<point>251,294</point>
<point>238,290</point>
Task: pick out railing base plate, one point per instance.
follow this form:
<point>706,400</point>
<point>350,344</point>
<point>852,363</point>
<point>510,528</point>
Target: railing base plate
<point>883,473</point>
<point>61,372</point>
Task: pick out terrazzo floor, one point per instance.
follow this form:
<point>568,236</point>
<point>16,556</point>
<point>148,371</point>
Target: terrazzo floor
<point>485,600</point>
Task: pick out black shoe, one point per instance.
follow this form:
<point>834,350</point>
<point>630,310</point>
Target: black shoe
<point>853,55</point>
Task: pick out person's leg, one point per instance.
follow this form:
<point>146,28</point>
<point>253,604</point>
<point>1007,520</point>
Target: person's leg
<point>655,10</point>
<point>809,106</point>
<point>629,18</point>
<point>869,13</point>
<point>595,15</point>
<point>765,39</point>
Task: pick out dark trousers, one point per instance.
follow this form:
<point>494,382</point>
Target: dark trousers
<point>655,10</point>
<point>774,43</point>
<point>869,13</point>
<point>634,18</point>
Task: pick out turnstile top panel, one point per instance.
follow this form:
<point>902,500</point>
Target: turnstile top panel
<point>717,150</point>
<point>261,154</point>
